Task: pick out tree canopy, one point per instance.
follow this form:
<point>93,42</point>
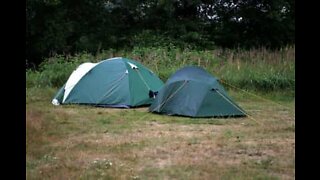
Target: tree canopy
<point>70,26</point>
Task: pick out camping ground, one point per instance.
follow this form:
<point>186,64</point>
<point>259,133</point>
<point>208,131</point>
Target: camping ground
<point>83,142</point>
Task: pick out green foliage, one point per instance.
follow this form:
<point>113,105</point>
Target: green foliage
<point>69,27</point>
<point>149,39</point>
<point>267,77</point>
<point>55,71</point>
<point>257,69</point>
<point>253,23</point>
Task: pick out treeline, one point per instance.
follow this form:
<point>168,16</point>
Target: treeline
<point>72,26</point>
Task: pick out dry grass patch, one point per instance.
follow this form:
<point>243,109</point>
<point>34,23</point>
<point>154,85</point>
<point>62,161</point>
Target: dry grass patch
<point>81,142</point>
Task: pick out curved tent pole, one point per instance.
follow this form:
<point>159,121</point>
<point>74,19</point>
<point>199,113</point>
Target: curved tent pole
<point>173,94</point>
<point>107,94</point>
<point>141,77</point>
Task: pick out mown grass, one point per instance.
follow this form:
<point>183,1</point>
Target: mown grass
<point>257,69</point>
<point>84,142</point>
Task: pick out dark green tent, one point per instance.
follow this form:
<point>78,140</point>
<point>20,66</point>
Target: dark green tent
<point>192,91</point>
<point>115,82</point>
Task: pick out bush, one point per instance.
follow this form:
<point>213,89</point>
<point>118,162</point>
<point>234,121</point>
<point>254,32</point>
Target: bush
<point>54,72</point>
<point>257,69</point>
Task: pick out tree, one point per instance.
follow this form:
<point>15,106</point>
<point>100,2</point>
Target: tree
<point>70,26</point>
<point>251,23</point>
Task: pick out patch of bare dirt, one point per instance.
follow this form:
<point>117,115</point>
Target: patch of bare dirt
<point>34,120</point>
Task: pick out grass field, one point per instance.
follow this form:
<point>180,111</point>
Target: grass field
<point>81,142</point>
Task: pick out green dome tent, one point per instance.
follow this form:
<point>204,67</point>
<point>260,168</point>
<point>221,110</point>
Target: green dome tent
<point>115,82</point>
<point>192,91</point>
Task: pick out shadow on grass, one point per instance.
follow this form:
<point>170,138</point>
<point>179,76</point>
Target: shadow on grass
<point>179,119</point>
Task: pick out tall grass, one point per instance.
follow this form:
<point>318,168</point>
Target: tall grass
<point>256,69</point>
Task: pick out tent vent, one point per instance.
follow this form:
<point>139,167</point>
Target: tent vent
<point>133,66</point>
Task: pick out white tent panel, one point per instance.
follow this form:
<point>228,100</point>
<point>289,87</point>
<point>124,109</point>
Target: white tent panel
<point>75,77</point>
